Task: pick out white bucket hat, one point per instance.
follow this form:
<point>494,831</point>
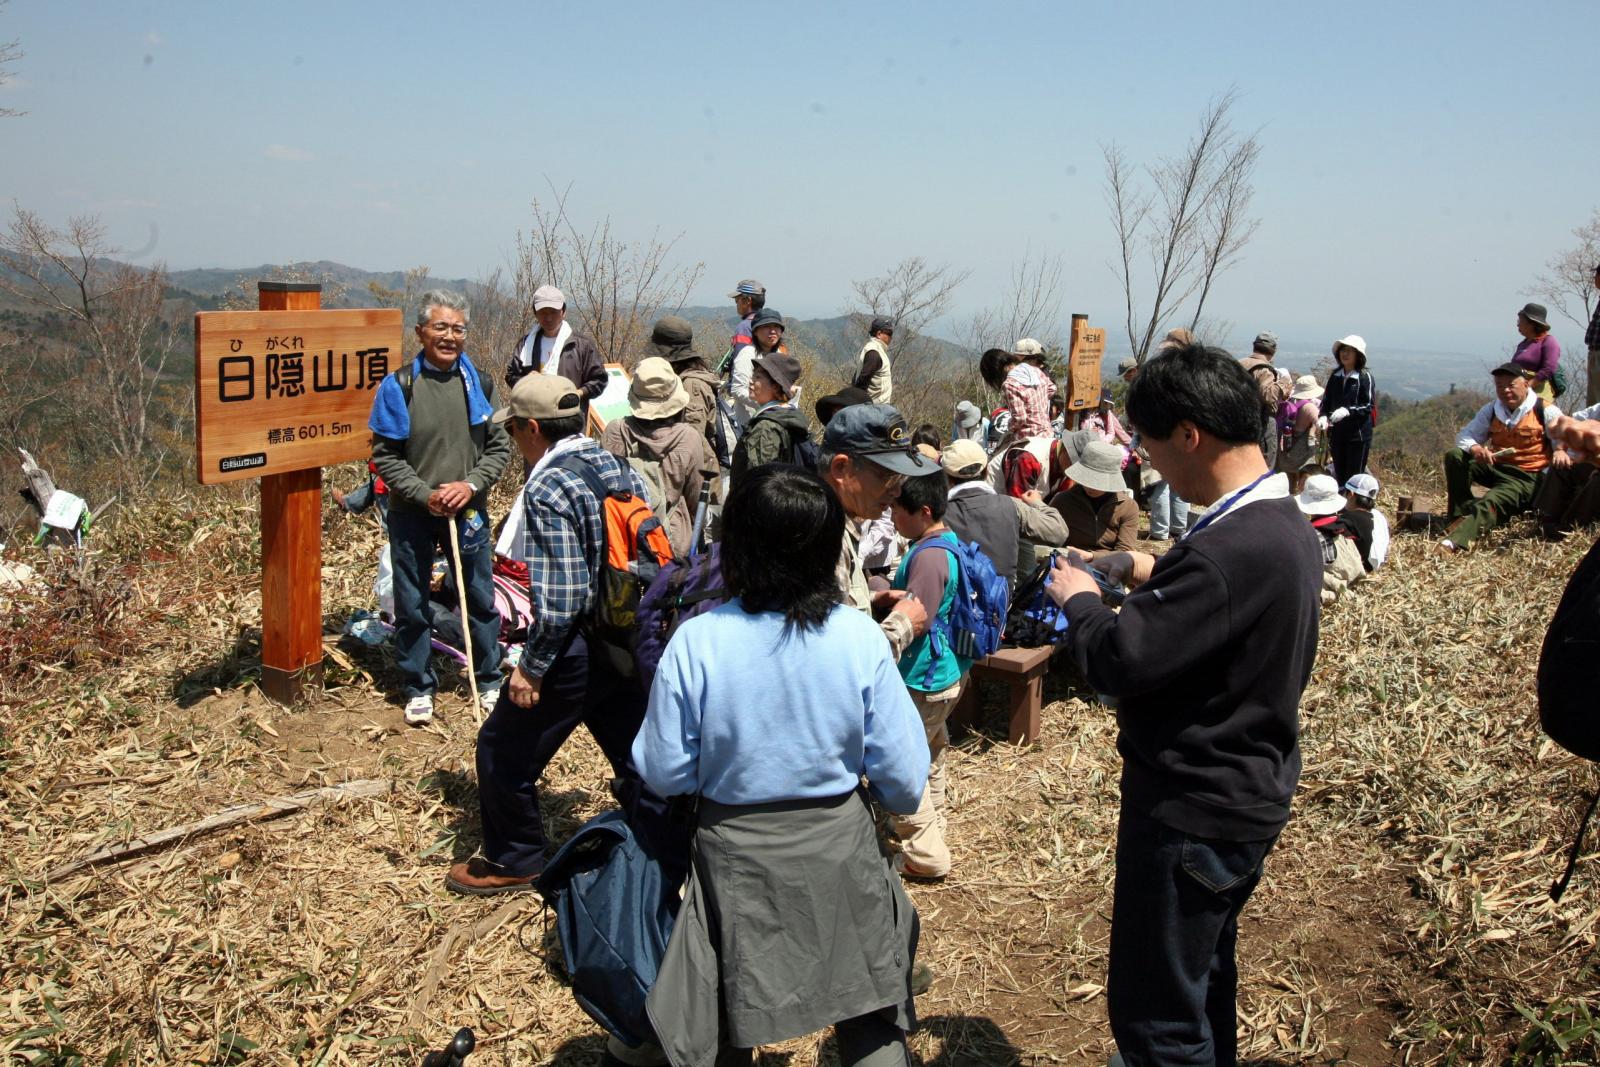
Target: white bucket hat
<point>1321,496</point>
<point>1355,341</point>
<point>1305,388</point>
<point>1100,467</point>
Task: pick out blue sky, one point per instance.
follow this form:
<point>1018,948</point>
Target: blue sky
<point>1421,161</point>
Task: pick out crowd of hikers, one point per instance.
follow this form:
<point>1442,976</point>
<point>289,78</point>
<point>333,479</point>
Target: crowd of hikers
<point>765,628</point>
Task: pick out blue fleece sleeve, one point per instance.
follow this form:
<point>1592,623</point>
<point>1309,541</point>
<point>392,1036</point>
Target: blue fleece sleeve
<point>666,751</point>
<point>896,756</point>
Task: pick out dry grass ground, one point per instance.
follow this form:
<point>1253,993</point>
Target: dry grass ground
<point>1403,917</point>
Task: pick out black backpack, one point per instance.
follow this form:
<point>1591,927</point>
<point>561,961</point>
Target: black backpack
<point>1569,673</point>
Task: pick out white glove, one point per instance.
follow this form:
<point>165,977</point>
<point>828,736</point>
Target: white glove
<point>1339,415</point>
<point>1322,423</point>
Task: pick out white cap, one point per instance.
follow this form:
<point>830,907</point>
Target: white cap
<point>548,296</point>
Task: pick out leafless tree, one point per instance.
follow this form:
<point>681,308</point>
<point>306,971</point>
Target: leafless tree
<point>914,293</point>
<point>116,314</point>
<point>1189,226</point>
<point>10,52</point>
<point>1029,307</point>
<point>615,288</point>
<point>412,283</point>
<point>243,295</point>
<point>1568,284</point>
<point>1568,287</point>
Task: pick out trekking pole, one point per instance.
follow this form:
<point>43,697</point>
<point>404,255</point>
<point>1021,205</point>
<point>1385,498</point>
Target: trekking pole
<point>700,516</point>
<point>466,621</point>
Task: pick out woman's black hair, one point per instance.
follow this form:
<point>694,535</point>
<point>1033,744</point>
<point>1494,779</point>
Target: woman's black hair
<point>782,531</point>
<point>926,434</point>
<point>1361,357</point>
<point>994,364</point>
<point>931,491</point>
<point>1203,385</point>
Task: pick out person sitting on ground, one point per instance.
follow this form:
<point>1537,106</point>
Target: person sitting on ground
<point>1371,525</point>
<point>1505,447</point>
<point>774,742</point>
<point>1570,495</point>
<point>1005,527</point>
<point>969,423</point>
<point>1297,431</point>
<point>372,491</point>
<point>776,430</point>
<point>932,670</point>
<point>663,447</point>
<point>1099,517</point>
<point>1343,560</point>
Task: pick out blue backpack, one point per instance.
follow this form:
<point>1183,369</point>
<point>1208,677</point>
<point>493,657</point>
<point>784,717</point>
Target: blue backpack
<point>978,609</point>
<point>613,920</point>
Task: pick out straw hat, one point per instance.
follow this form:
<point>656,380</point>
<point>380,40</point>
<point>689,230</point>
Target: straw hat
<point>1321,496</point>
<point>1305,388</point>
<point>1099,467</point>
<point>656,392</point>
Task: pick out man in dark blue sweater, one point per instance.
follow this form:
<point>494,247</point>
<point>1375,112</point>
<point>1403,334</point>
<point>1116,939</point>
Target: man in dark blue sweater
<point>1208,660</point>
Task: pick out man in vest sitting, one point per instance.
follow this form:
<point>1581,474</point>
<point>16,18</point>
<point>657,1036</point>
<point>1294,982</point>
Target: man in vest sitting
<point>1505,447</point>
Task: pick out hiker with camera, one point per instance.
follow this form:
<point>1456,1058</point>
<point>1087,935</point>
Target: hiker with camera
<point>1208,660</point>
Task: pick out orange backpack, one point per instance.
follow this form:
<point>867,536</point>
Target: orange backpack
<point>634,548</point>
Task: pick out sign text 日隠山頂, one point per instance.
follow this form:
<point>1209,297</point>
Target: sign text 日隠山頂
<point>279,391</point>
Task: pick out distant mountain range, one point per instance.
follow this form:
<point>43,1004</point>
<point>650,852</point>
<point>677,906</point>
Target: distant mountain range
<point>1406,373</point>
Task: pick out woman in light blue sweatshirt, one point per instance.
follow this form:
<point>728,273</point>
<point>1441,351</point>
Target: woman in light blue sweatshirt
<point>771,709</point>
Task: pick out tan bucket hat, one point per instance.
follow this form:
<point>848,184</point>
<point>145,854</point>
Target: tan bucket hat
<point>657,392</point>
<point>1305,388</point>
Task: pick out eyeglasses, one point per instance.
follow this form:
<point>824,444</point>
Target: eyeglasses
<point>453,329</point>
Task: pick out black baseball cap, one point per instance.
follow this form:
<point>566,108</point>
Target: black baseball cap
<point>877,432</point>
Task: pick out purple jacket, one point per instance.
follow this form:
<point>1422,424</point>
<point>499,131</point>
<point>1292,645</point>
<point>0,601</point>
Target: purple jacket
<point>1541,356</point>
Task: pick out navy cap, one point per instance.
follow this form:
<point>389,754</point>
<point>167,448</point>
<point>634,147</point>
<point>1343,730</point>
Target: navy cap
<point>877,432</point>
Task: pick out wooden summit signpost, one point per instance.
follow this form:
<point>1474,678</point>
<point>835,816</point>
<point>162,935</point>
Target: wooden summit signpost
<point>279,394</point>
<point>1086,349</point>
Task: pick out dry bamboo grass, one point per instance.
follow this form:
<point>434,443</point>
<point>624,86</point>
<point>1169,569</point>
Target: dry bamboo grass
<point>1403,915</point>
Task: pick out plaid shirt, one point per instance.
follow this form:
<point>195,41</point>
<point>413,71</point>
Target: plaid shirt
<point>1591,336</point>
<point>563,537</point>
<point>1028,392</point>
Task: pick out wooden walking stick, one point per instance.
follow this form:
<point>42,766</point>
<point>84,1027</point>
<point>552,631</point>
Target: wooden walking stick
<point>466,621</point>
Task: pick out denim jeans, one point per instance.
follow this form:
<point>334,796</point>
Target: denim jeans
<point>358,500</point>
<point>1174,923</point>
<point>1169,513</point>
<point>412,539</point>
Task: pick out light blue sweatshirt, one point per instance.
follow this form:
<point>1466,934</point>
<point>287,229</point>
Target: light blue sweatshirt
<point>746,713</point>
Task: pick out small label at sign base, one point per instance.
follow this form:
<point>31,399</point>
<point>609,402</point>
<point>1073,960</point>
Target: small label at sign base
<point>240,463</point>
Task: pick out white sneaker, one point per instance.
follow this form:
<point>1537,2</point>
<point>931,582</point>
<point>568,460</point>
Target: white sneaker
<point>419,710</point>
<point>488,698</point>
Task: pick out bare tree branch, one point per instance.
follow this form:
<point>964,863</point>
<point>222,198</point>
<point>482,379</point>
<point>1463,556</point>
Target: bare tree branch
<point>1568,285</point>
<point>1191,228</point>
<point>914,293</point>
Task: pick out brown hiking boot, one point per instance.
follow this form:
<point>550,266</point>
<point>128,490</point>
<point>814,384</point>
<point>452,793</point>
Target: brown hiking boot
<point>476,878</point>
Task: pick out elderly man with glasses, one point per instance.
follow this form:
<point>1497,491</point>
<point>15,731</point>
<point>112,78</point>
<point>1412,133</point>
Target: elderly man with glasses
<point>435,445</point>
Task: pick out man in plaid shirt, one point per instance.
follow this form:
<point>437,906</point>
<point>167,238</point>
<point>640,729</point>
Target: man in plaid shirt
<point>563,678</point>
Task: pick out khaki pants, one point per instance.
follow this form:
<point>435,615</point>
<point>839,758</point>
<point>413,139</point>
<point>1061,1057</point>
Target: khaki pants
<point>922,835</point>
<point>1345,570</point>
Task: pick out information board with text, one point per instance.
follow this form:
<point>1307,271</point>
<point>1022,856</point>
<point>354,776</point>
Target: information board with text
<point>279,391</point>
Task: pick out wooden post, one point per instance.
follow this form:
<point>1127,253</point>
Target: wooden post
<point>291,550</point>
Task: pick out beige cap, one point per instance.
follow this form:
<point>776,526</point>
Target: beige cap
<point>541,396</point>
<point>1028,348</point>
<point>548,296</point>
<point>963,459</point>
<point>657,392</point>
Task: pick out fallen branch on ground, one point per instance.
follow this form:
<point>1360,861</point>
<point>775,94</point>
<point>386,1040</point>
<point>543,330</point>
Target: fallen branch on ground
<point>256,811</point>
